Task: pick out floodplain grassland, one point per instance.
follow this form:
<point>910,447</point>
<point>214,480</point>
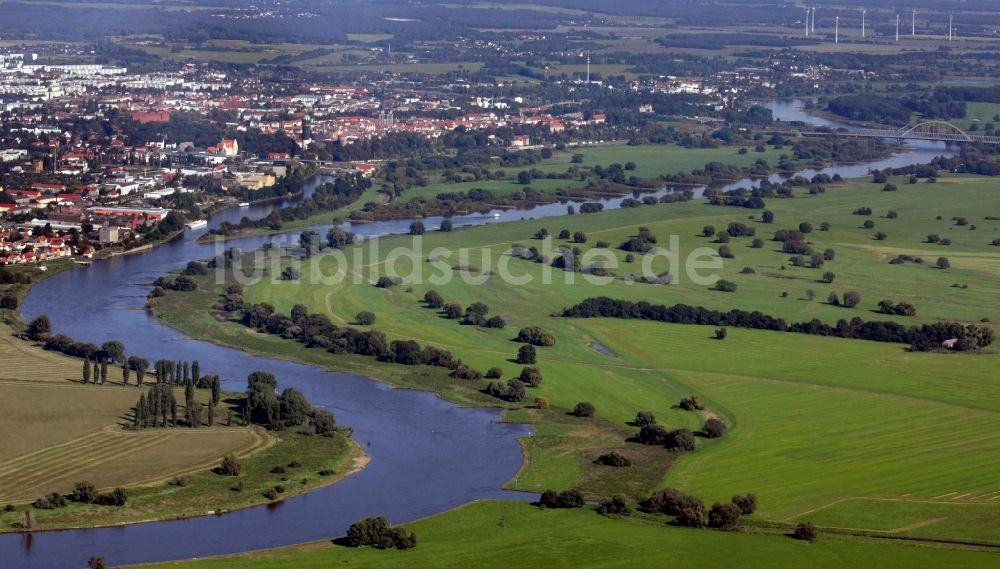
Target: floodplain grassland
<point>501,534</point>
<point>814,421</point>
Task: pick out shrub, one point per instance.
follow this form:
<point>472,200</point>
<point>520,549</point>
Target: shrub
<point>526,355</point>
<point>613,459</point>
<point>230,466</point>
<point>417,228</point>
<point>805,227</point>
<point>708,231</point>
<point>829,254</point>
<point>725,252</point>
<point>643,418</point>
<point>365,318</point>
<point>724,516</point>
<point>747,504</point>
<point>943,263</point>
<point>584,409</point>
<point>446,225</point>
<point>868,224</point>
<point>579,237</point>
<point>531,376</point>
<point>495,322</point>
<point>672,502</point>
<point>725,286</point>
<point>828,277</point>
<point>50,502</point>
<point>536,336</point>
<point>84,492</point>
<point>825,226</point>
<point>805,531</point>
<point>494,373</point>
<point>615,505</point>
<point>376,532</point>
<point>720,334</point>
<point>714,428</point>
<point>387,282</point>
<point>567,499</point>
<point>691,404</point>
<point>757,243</point>
<point>680,440</point>
<point>542,402</point>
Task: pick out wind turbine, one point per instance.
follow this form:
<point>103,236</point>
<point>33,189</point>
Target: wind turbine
<point>950,27</point>
<point>863,12</point>
<point>913,23</point>
<point>807,22</point>
<point>897,28</point>
<point>836,32</point>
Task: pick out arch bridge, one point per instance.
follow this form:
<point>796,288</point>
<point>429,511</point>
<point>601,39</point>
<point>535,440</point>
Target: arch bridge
<point>928,130</point>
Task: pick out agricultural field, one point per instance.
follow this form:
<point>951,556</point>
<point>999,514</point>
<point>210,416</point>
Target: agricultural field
<point>818,425</point>
<point>59,431</point>
<point>508,534</point>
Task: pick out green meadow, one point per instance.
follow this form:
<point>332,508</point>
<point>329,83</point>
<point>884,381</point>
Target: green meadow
<point>864,436</point>
<point>650,161</point>
<point>501,535</point>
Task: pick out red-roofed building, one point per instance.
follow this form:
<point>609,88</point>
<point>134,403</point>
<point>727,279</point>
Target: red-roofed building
<point>150,117</point>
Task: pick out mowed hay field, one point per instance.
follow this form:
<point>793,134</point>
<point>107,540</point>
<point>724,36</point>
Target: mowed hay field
<point>58,431</point>
<point>815,421</point>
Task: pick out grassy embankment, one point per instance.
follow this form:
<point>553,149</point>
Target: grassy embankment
<point>850,434</point>
<point>59,431</point>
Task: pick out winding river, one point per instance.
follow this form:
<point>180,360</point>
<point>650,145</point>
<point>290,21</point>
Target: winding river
<point>428,455</point>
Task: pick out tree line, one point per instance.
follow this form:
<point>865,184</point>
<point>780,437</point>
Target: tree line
<point>924,337</point>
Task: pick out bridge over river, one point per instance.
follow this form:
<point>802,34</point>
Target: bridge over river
<point>940,131</point>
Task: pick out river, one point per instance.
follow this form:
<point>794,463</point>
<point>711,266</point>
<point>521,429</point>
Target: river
<point>428,455</point>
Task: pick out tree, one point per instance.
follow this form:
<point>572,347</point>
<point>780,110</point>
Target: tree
<point>708,231</point>
<point>828,277</point>
<point>230,466</point>
<point>524,177</point>
<point>39,328</point>
<point>453,311</point>
<point>725,252</point>
<point>526,355</point>
<point>714,428</point>
<point>579,237</point>
<point>531,376</point>
<point>767,216</point>
<point>86,370</point>
<point>536,336</point>
<point>644,418</point>
<point>365,318</point>
<point>338,238</point>
<point>433,299</point>
<point>446,225</point>
<point>140,365</point>
<point>584,409</point>
<point>943,263</point>
<point>680,440</point>
<point>97,562</point>
<point>851,299</point>
<point>833,299</point>
<point>494,373</point>
<point>805,531</point>
<point>104,372</point>
<point>113,351</point>
<point>747,504</point>
<point>84,493</point>
<point>720,334</point>
<point>125,371</point>
<point>724,516</point>
<point>805,227</point>
<point>417,228</point>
